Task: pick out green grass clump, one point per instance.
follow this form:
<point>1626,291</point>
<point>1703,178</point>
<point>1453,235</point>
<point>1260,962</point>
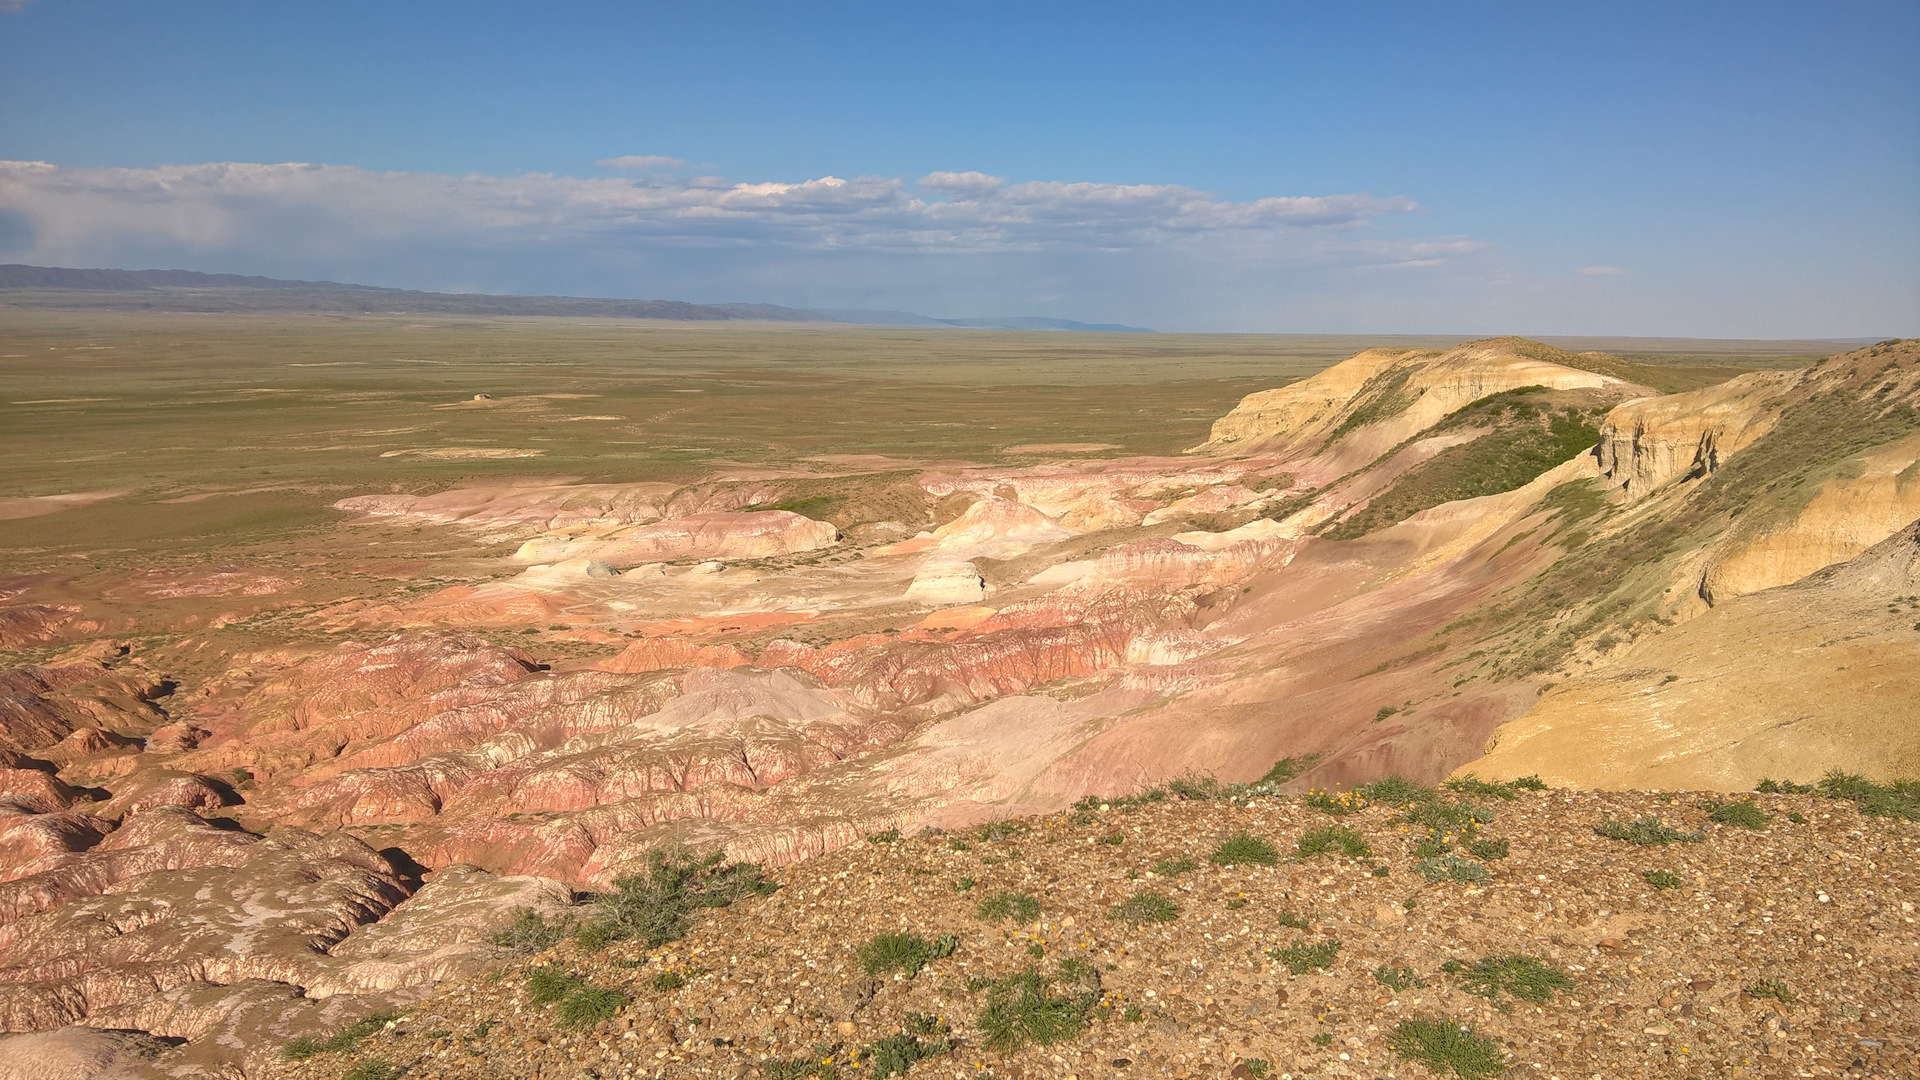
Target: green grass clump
<point>666,982</point>
<point>1771,990</point>
<point>1489,850</point>
<point>549,984</point>
<point>1452,868</point>
<point>1646,832</point>
<point>1023,1009</point>
<point>1473,785</point>
<point>529,932</point>
<point>1174,867</point>
<point>905,953</point>
<point>371,1069</point>
<point>895,1054</point>
<point>1018,906</point>
<point>1524,977</point>
<point>1744,815</point>
<point>1396,978</point>
<point>1144,907</point>
<point>1664,879</point>
<point>306,1046</point>
<point>1332,840</point>
<point>1242,849</point>
<point>800,1068</point>
<point>1395,791</point>
<point>1296,922</point>
<point>588,1006</point>
<point>302,1047</point>
<point>887,836</point>
<point>1114,839</point>
<point>658,905</point>
<point>1447,1047</point>
<point>1894,799</point>
<point>1289,767</point>
<point>1303,956</point>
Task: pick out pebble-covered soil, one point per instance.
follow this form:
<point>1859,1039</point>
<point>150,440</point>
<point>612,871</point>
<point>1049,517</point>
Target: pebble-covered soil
<point>1815,911</point>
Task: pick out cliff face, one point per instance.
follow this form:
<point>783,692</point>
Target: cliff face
<point>1649,443</point>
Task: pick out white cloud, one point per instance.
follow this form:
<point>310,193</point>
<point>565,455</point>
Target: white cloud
<point>1601,271</point>
<point>641,162</point>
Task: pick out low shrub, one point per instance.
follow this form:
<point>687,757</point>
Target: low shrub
<point>1018,906</point>
<point>1524,977</point>
<point>1452,868</point>
<point>549,984</point>
<point>666,982</point>
<point>1447,1047</point>
<point>1243,849</point>
<point>1145,907</point>
<point>1664,879</point>
<point>588,1006</point>
<point>1332,840</point>
<point>1289,919</point>
<point>1646,832</point>
<point>1742,815</point>
<point>905,953</point>
<point>1771,990</point>
<point>529,932</point>
<point>1174,867</point>
<point>657,906</point>
<point>1489,850</point>
<point>1304,956</point>
<point>1396,978</point>
<point>1023,1009</point>
<point>887,836</point>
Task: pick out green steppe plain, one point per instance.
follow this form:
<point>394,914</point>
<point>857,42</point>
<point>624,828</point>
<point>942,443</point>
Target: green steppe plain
<point>259,422</point>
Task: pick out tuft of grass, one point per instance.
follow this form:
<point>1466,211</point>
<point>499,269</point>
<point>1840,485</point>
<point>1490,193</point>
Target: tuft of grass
<point>1396,978</point>
<point>1112,839</point>
<point>965,884</point>
<point>588,1006</point>
<point>1447,1047</point>
<point>1529,782</point>
<point>905,953</point>
<point>799,1068</point>
<point>666,982</point>
<point>549,984</point>
<point>306,1046</point>
<point>1395,791</point>
<point>658,905</point>
<point>1664,879</point>
<point>1242,849</point>
<point>1018,906</point>
<point>1332,840</point>
<point>1646,832</point>
<point>1489,850</point>
<point>1174,867</point>
<point>887,836</point>
<point>1292,921</point>
<point>1452,868</point>
<point>1289,767</point>
<point>895,1054</point>
<point>1743,815</point>
<point>998,830</point>
<point>1894,799</point>
<point>529,932</point>
<point>1145,907</point>
<point>302,1047</point>
<point>1473,785</point>
<point>1524,977</point>
<point>371,1069</point>
<point>1771,990</point>
<point>1303,956</point>
<point>1024,1010</point>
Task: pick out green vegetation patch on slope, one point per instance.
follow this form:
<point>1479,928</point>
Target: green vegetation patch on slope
<point>1611,580</point>
<point>1528,438</point>
<point>1379,398</point>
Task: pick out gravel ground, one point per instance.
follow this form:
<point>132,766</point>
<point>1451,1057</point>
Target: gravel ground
<point>1660,978</point>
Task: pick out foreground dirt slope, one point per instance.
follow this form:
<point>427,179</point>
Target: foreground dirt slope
<point>1821,899</point>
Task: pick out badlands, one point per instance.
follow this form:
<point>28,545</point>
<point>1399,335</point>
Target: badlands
<point>391,670</point>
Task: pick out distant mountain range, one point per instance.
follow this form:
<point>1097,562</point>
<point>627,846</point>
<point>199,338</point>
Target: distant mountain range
<point>190,290</point>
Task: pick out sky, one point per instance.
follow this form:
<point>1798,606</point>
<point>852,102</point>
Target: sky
<point>1744,169</point>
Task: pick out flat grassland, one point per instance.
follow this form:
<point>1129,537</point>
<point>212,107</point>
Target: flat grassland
<point>192,435</point>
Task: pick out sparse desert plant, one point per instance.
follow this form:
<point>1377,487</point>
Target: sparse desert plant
<point>1395,791</point>
<point>886,836</point>
<point>998,830</point>
<point>302,1047</point>
<point>529,932</point>
<point>1396,978</point>
<point>1770,990</point>
<point>1529,782</point>
<point>1114,839</point>
<point>1664,879</point>
<point>1447,1047</point>
<point>1023,1009</point>
<point>899,1052</point>
<point>1244,849</point>
<point>1646,832</point>
<point>1743,815</point>
<point>371,1069</point>
<point>306,1046</point>
<point>965,884</point>
<point>1332,840</point>
<point>1452,868</point>
<point>1303,956</point>
<point>1174,867</point>
<point>547,985</point>
<point>666,982</point>
<point>1346,802</point>
<point>1289,767</point>
<point>1145,907</point>
<point>588,1006</point>
<point>1525,977</point>
<point>1473,785</point>
<point>1018,906</point>
<point>657,906</point>
<point>905,953</point>
<point>1259,1067</point>
<point>799,1068</point>
<point>1894,799</point>
<point>1195,788</point>
<point>1292,921</point>
<point>1489,850</point>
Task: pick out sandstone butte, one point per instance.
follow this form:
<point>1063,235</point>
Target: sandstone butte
<point>1500,560</point>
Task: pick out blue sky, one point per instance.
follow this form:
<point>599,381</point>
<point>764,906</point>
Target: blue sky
<point>1744,169</point>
